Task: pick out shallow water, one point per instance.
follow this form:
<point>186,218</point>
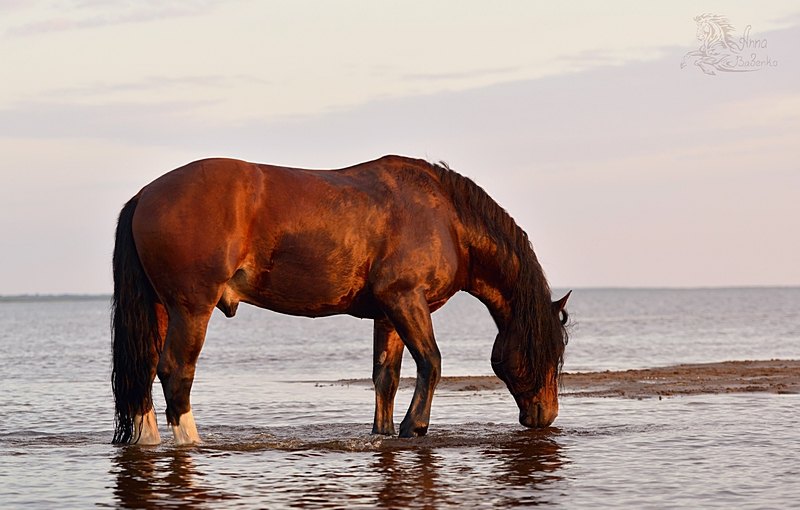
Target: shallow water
<point>275,438</point>
<point>713,451</point>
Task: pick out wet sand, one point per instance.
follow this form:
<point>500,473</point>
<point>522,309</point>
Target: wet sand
<point>773,376</point>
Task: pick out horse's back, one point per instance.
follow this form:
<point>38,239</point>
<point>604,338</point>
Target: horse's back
<point>306,242</point>
<point>330,237</point>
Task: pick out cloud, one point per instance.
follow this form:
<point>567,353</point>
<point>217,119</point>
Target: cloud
<point>787,21</point>
<point>641,174</point>
<point>556,121</point>
<point>472,74</point>
<point>86,14</point>
<point>149,87</point>
<point>13,5</point>
<point>155,123</point>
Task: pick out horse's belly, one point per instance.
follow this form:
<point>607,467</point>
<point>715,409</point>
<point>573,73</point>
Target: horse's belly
<point>303,286</point>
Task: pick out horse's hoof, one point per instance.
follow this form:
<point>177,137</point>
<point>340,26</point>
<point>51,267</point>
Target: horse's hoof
<point>185,432</point>
<point>413,430</point>
<point>383,431</point>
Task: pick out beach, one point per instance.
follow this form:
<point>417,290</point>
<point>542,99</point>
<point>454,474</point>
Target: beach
<point>767,376</point>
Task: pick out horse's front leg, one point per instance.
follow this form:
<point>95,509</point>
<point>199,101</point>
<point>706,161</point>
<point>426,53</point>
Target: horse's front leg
<point>411,317</point>
<point>185,336</point>
<point>387,358</point>
<point>707,66</point>
<point>693,53</point>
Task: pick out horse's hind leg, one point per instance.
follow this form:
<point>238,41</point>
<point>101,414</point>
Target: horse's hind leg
<point>387,356</point>
<point>185,336</point>
<point>145,427</point>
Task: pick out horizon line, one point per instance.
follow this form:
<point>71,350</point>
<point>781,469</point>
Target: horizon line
<point>99,295</point>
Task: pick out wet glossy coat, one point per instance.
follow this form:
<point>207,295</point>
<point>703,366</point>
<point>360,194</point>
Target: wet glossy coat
<point>383,240</point>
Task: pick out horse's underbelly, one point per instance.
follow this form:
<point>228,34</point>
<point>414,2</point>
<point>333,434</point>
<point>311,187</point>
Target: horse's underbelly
<point>308,285</point>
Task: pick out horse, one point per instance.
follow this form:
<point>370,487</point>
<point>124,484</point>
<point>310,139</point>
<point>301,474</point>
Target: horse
<point>718,49</point>
<point>389,240</point>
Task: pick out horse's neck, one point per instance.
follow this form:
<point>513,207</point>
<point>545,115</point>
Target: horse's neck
<point>488,281</point>
<point>717,35</point>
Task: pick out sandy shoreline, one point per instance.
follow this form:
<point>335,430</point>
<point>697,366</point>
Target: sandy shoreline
<point>773,376</point>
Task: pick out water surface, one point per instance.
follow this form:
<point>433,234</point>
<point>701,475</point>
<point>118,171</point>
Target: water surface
<point>278,434</point>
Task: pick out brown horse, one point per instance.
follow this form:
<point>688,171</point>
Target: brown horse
<point>390,240</point>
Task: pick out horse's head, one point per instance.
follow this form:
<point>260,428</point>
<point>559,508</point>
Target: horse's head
<point>714,29</point>
<point>538,402</point>
<point>703,28</point>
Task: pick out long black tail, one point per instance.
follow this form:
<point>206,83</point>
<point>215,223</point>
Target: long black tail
<point>134,331</point>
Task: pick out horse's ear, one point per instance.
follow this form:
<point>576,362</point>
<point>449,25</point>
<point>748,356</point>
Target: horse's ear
<point>558,306</point>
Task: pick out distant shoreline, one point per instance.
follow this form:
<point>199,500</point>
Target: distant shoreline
<point>556,290</point>
<point>768,376</point>
<point>46,298</point>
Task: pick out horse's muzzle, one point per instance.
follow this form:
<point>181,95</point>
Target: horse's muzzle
<point>536,415</point>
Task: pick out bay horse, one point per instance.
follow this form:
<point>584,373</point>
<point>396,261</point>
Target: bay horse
<point>390,240</point>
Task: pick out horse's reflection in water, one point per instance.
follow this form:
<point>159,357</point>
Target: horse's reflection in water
<point>526,466</point>
<point>512,471</point>
<point>150,478</point>
<point>410,478</point>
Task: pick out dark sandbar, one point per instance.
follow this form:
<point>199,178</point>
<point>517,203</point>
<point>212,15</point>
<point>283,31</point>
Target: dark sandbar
<point>772,376</point>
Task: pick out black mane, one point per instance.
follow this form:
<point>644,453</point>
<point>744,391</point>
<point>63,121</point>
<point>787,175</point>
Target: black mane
<point>530,296</point>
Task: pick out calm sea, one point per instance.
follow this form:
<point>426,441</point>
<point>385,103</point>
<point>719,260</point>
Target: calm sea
<point>279,434</point>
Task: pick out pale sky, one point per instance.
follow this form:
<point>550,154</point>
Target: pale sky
<point>624,169</point>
